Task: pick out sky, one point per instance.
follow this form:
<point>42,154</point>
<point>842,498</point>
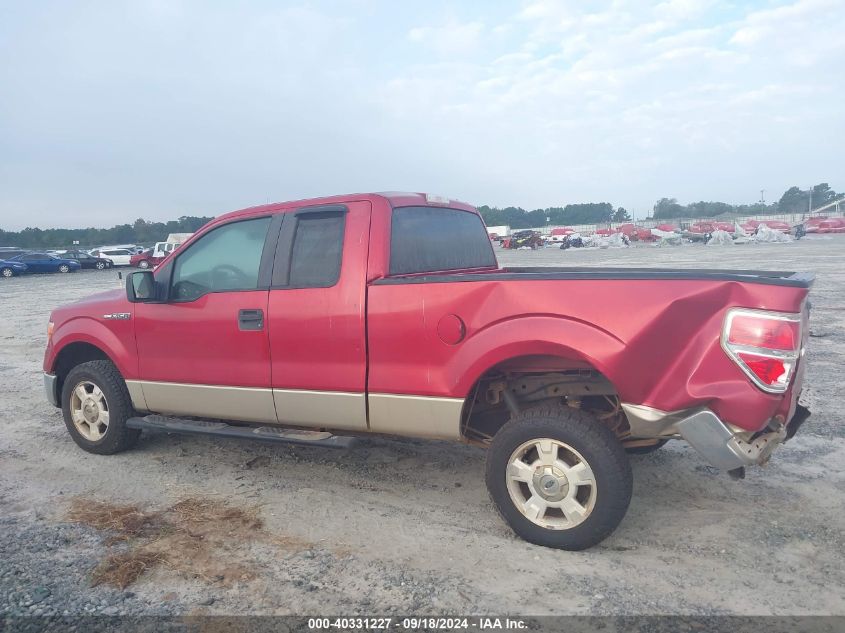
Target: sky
<point>111,111</point>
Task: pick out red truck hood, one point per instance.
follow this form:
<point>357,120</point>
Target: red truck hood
<point>95,305</point>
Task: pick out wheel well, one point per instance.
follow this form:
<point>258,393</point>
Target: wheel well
<point>73,355</point>
<point>528,381</point>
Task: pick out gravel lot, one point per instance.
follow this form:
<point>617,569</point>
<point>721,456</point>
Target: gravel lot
<point>406,526</point>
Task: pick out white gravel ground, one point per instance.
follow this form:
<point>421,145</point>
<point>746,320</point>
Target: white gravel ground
<point>405,526</point>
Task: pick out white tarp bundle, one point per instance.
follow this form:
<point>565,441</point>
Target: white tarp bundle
<point>739,231</point>
<point>667,238</point>
<point>720,238</point>
<point>766,234</point>
<point>610,241</point>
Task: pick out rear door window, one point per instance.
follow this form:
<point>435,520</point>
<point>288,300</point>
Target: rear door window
<point>317,250</point>
<point>426,239</point>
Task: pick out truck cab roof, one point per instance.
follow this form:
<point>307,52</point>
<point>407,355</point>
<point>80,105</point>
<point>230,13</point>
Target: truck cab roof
<point>394,198</point>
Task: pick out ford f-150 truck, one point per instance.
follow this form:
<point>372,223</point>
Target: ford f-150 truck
<point>319,320</point>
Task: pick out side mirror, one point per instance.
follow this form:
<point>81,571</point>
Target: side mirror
<point>140,287</point>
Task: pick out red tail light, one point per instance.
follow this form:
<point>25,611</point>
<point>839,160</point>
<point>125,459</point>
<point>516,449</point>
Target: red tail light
<point>760,331</point>
<point>765,345</point>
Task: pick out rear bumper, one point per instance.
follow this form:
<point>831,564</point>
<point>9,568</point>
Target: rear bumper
<point>51,387</point>
<point>718,443</point>
<point>722,447</point>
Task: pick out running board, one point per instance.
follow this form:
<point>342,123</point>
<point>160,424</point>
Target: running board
<point>162,424</point>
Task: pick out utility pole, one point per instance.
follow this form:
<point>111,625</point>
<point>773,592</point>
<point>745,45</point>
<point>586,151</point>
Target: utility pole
<point>810,202</point>
<point>763,197</point>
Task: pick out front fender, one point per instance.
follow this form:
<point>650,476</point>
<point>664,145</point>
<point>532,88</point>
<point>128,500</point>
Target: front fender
<point>115,339</point>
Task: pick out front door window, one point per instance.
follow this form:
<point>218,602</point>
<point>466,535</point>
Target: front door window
<point>225,259</point>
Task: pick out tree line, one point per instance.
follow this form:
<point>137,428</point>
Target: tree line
<point>519,218</point>
<point>140,232</point>
<point>793,200</point>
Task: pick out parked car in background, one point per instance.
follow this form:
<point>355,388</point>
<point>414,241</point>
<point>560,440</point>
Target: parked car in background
<point>154,256</point>
<point>8,253</point>
<point>11,268</point>
<point>86,260</point>
<point>118,256</point>
<point>132,248</point>
<point>144,259</point>
<point>46,263</point>
<point>558,234</point>
<point>523,239</point>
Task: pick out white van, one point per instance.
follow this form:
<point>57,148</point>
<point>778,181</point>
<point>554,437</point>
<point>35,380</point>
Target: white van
<point>120,256</point>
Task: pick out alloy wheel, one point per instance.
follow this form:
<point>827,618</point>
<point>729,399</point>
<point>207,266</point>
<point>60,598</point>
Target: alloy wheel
<point>89,411</point>
<point>551,484</point>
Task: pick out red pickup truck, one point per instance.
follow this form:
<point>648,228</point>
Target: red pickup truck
<point>319,320</point>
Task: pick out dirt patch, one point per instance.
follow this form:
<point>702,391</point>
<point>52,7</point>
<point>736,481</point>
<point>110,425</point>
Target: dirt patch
<point>124,521</point>
<point>199,512</point>
<point>121,570</point>
<point>193,536</point>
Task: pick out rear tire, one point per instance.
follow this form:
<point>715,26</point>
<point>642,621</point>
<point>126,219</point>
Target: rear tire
<point>558,477</point>
<point>96,405</point>
<point>7,272</point>
<point>143,264</point>
<point>100,265</point>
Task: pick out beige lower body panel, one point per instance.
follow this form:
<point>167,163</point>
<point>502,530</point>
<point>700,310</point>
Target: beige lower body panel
<point>209,401</point>
<point>136,394</point>
<point>391,414</point>
<point>416,416</point>
<point>325,409</point>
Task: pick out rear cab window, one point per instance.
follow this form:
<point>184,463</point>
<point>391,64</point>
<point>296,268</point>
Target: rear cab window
<point>429,239</point>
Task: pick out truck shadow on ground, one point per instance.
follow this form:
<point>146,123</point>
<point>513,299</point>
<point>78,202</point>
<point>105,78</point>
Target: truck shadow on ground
<point>444,480</point>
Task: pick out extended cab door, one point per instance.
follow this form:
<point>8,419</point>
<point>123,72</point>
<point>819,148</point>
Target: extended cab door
<point>317,316</point>
<point>203,351</point>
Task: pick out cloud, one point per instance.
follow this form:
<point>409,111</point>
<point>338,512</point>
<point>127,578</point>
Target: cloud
<point>111,111</point>
<point>452,38</point>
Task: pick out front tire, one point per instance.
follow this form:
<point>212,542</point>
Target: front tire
<point>64,268</point>
<point>558,477</point>
<point>7,272</point>
<point>143,264</point>
<point>100,265</point>
<point>96,405</point>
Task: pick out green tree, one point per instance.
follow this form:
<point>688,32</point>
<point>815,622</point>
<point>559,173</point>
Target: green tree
<point>668,208</point>
<point>793,200</point>
<point>621,215</point>
<point>822,194</point>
